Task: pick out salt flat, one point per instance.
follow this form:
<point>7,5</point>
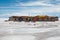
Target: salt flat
<point>29,30</point>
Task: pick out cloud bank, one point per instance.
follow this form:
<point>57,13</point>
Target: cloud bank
<point>37,7</point>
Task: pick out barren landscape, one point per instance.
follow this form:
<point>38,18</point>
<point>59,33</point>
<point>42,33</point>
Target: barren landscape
<point>29,30</point>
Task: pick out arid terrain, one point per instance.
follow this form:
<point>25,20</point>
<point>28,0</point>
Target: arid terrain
<point>29,30</point>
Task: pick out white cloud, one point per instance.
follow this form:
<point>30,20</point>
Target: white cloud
<point>45,10</point>
<point>35,3</point>
<point>14,14</point>
<point>36,11</point>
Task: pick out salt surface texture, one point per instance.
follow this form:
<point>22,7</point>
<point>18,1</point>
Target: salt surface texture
<point>18,37</point>
<point>8,31</point>
<point>53,38</point>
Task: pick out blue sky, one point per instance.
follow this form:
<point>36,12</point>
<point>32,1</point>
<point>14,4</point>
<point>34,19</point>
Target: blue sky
<point>29,7</point>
